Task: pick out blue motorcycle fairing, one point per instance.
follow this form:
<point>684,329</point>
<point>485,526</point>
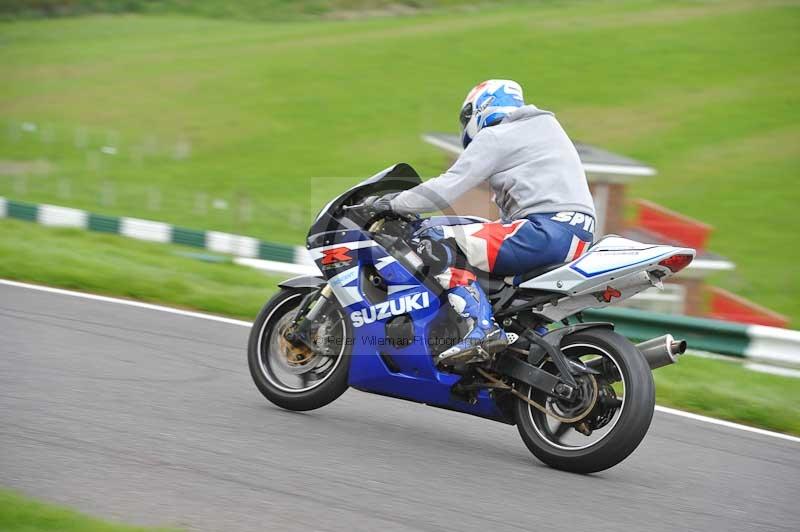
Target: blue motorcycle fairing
<point>412,375</point>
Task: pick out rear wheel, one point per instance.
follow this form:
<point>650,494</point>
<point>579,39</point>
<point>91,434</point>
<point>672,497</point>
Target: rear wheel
<point>618,403</point>
<point>298,378</point>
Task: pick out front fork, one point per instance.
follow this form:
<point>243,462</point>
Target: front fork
<point>311,308</point>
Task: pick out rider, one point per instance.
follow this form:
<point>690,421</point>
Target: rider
<point>547,212</point>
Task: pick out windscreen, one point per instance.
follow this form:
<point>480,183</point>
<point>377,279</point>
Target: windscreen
<point>393,179</point>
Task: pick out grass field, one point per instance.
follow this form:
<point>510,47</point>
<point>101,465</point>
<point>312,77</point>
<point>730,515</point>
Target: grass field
<point>250,126</point>
<point>726,390</point>
<point>157,273</point>
<point>21,514</point>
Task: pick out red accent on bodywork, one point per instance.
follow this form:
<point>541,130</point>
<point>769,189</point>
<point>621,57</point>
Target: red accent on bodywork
<point>610,293</point>
<point>332,256</point>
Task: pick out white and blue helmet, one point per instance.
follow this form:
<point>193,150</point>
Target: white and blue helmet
<point>487,104</point>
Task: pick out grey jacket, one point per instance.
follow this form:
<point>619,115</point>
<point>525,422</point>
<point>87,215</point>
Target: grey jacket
<point>530,163</point>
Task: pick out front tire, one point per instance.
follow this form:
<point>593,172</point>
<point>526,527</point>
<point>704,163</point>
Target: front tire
<point>286,379</point>
<point>630,422</point>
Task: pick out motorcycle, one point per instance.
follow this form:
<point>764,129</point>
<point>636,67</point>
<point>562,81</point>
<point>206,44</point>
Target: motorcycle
<point>581,395</point>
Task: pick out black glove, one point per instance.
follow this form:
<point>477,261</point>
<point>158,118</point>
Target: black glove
<point>378,205</point>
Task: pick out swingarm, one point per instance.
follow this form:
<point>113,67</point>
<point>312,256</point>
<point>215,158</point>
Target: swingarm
<point>563,385</point>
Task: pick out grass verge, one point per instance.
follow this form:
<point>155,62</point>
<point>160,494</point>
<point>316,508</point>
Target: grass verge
<point>726,390</point>
<point>108,264</point>
<point>153,272</point>
<point>21,514</point>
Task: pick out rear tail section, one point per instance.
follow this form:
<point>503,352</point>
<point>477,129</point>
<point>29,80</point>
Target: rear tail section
<point>610,271</point>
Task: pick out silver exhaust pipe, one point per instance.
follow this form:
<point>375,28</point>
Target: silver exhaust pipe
<point>662,351</point>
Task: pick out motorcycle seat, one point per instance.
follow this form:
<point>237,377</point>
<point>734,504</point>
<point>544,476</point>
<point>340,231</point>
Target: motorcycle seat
<point>492,284</point>
<point>540,271</point>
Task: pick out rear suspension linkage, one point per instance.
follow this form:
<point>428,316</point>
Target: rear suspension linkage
<point>500,385</point>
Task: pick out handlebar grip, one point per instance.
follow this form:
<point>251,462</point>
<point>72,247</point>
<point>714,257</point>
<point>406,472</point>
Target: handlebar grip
<point>396,215</point>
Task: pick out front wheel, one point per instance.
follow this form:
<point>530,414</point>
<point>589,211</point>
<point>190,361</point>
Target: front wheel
<point>619,400</point>
<point>298,378</point>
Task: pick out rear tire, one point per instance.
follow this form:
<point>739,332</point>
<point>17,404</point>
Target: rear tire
<point>262,361</point>
<point>630,426</point>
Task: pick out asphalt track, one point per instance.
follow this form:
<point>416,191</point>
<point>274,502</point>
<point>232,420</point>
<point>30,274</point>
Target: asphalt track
<point>150,417</point>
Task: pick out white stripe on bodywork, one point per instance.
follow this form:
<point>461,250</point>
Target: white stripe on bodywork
<point>347,295</point>
<point>56,216</point>
<point>3,208</point>
<point>145,230</point>
<point>383,262</point>
<point>394,288</point>
<point>344,278</point>
<point>241,246</point>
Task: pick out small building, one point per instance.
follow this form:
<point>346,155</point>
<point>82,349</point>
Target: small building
<point>609,174</point>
